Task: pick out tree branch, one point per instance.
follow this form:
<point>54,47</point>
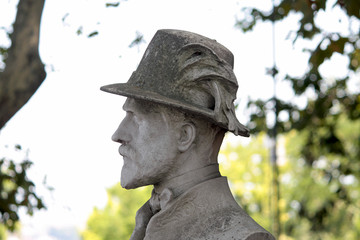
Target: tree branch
<point>24,71</point>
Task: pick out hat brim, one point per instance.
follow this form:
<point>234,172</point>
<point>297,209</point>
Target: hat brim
<point>127,90</point>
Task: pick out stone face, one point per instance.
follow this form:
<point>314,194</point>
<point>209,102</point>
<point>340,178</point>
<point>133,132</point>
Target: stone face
<point>179,106</point>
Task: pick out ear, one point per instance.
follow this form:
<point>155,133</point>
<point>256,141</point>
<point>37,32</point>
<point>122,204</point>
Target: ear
<point>186,136</point>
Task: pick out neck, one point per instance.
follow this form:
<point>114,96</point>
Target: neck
<point>179,184</point>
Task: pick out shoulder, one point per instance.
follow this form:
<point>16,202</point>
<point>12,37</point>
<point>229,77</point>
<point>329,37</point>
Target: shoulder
<point>241,226</point>
<point>207,212</point>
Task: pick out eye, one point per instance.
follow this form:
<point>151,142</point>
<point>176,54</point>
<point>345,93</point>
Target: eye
<point>133,117</point>
<point>129,115</point>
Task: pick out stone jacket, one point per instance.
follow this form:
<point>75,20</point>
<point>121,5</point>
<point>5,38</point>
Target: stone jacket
<point>206,211</point>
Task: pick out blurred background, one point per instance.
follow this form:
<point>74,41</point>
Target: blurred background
<point>297,64</point>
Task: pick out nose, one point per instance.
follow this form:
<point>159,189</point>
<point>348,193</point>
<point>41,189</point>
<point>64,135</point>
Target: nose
<point>121,135</point>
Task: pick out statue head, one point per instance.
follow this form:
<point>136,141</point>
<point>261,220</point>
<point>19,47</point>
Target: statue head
<point>180,103</point>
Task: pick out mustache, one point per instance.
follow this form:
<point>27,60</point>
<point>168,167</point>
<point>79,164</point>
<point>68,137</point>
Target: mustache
<point>126,151</point>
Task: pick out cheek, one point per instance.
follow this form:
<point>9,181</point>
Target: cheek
<point>163,151</point>
<point>155,141</point>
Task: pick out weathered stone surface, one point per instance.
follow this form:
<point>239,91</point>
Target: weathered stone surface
<point>179,106</point>
<point>187,71</point>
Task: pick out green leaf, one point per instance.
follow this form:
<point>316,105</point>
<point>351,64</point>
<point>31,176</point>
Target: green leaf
<point>113,4</point>
<point>93,34</point>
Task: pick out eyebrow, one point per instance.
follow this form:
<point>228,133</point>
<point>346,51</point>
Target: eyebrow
<point>133,105</point>
<point>140,106</point>
<point>124,108</point>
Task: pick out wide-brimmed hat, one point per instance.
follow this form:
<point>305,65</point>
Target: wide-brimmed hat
<point>189,72</point>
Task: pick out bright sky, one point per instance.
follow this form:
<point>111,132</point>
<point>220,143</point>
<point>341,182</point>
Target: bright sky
<point>67,124</point>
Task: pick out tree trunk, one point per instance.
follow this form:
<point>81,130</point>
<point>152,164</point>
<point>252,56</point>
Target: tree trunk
<point>24,71</point>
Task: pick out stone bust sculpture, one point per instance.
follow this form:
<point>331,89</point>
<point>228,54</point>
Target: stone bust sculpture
<point>179,106</point>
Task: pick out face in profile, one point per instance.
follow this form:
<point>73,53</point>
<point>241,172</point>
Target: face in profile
<point>148,144</point>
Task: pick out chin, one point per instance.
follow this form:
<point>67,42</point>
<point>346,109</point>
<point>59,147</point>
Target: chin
<point>127,178</point>
<point>131,184</point>
<point>126,185</point>
<point>129,181</point>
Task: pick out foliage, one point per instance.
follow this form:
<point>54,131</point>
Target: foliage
<point>322,197</point>
<point>327,127</point>
<point>117,219</point>
<point>16,191</point>
<point>331,97</point>
<point>138,40</point>
<point>80,30</point>
<point>317,201</point>
<point>3,233</point>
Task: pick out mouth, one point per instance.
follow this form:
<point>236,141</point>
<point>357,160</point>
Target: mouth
<point>123,151</point>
